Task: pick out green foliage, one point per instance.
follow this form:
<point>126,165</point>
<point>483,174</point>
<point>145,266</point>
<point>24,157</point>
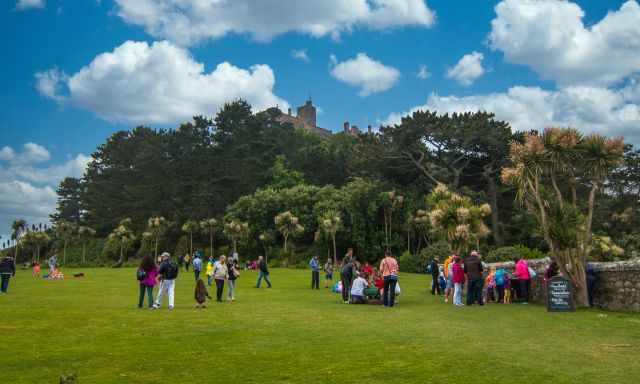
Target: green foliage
<point>511,253</point>
<point>283,177</point>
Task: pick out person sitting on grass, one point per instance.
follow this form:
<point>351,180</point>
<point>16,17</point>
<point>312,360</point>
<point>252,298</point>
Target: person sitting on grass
<point>328,272</point>
<point>357,289</point>
<point>201,294</point>
<point>367,269</point>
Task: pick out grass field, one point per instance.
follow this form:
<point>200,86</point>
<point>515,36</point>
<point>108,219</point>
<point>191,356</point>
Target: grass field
<point>290,334</point>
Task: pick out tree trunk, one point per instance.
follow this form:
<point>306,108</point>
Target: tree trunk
<point>211,243</point>
<point>84,250</point>
<point>493,202</point>
<point>156,248</point>
<point>190,244</point>
<point>572,265</point>
<point>285,244</point>
<point>64,253</point>
<point>335,252</point>
<point>235,245</point>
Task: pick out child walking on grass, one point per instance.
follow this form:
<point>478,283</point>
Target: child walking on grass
<point>201,294</point>
<point>36,269</point>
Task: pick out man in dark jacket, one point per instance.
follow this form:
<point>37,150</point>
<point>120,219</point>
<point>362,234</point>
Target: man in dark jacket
<point>7,270</point>
<point>346,276</point>
<point>263,272</point>
<point>435,270</point>
<point>473,270</point>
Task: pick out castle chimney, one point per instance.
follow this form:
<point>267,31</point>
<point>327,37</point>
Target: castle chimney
<point>289,111</point>
<point>346,127</point>
<point>369,129</point>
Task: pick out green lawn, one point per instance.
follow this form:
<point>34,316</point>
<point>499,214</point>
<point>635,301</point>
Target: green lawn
<point>290,334</point>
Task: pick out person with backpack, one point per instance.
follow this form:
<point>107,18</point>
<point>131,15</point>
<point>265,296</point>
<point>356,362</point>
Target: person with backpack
<point>7,270</point>
<point>197,265</point>
<point>435,270</point>
<point>168,273</point>
<point>389,269</point>
<point>263,272</point>
<point>147,274</point>
<point>499,279</point>
<point>328,272</point>
<point>234,273</point>
<point>315,272</point>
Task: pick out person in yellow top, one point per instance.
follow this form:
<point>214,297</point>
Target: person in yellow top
<point>187,261</point>
<point>209,271</point>
<point>447,276</point>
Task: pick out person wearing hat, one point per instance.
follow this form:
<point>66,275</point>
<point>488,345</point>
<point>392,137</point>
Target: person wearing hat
<point>7,270</point>
<point>167,272</point>
<point>473,269</point>
<point>435,270</point>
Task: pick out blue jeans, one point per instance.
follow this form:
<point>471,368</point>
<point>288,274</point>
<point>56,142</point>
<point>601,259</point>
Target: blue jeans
<point>457,294</point>
<point>5,282</point>
<point>197,274</point>
<point>390,282</point>
<point>149,290</point>
<point>265,276</point>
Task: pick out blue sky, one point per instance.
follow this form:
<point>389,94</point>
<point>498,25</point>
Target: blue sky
<point>533,63</point>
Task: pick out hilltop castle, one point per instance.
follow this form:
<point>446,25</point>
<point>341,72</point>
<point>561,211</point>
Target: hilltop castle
<point>306,119</point>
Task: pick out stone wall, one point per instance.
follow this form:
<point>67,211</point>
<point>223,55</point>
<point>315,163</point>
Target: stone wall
<point>617,287</point>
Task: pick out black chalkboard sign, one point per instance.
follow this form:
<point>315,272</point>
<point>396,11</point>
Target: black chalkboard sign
<point>559,295</point>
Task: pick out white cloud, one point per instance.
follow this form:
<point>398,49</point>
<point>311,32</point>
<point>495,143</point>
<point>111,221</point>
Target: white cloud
<point>189,22</point>
<point>22,5</point>
<point>369,75</point>
<point>7,153</point>
<point>590,109</point>
<point>49,82</point>
<point>468,69</point>
<point>26,201</point>
<point>160,83</point>
<point>28,181</point>
<point>423,72</point>
<point>550,37</point>
<point>300,54</point>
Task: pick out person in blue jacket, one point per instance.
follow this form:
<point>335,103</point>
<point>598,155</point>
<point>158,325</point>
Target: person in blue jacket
<point>315,272</point>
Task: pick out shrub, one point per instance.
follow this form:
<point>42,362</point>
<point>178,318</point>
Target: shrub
<point>410,262</point>
<point>511,253</point>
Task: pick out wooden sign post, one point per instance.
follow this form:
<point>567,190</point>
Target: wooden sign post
<point>559,295</point>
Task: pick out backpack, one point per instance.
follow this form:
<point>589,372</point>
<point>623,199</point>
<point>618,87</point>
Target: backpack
<point>172,271</point>
<point>141,274</point>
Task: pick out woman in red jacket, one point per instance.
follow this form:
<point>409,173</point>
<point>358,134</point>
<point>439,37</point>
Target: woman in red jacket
<point>458,280</point>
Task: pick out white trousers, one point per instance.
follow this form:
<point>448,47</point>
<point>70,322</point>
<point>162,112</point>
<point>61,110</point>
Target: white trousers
<point>166,286</point>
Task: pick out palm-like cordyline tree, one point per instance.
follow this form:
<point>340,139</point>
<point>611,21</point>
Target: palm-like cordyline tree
<point>156,227</point>
<point>209,227</point>
<point>190,226</point>
<point>18,228</point>
<point>65,231</point>
<point>85,233</point>
<point>536,168</point>
<point>124,236</point>
<point>330,223</point>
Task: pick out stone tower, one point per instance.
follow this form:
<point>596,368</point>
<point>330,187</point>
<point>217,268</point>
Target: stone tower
<point>307,112</point>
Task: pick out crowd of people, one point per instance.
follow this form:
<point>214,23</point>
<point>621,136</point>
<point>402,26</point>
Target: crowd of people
<point>360,283</point>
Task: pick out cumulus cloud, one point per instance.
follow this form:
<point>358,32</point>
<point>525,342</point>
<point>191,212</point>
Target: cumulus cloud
<point>550,37</point>
<point>28,180</point>
<point>158,83</point>
<point>300,54</point>
<point>22,5</point>
<point>189,22</point>
<point>468,69</point>
<point>590,109</point>
<point>369,75</point>
<point>423,72</point>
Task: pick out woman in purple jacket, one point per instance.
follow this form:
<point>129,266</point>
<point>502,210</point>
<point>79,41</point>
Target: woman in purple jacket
<point>147,276</point>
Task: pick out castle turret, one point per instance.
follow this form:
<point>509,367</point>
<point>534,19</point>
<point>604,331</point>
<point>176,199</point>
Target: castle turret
<point>307,113</point>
